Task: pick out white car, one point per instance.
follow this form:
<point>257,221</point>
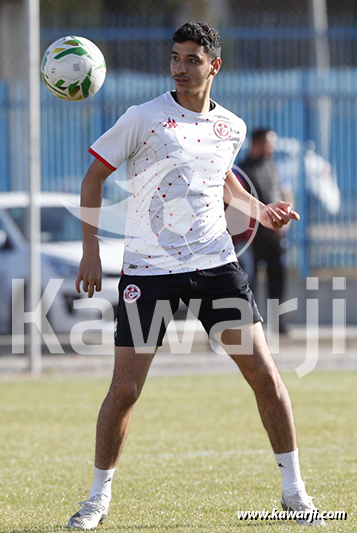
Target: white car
<point>61,251</point>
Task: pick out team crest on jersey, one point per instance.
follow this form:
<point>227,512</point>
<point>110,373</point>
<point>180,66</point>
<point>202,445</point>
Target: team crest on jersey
<point>131,293</point>
<point>170,123</point>
<point>222,129</point>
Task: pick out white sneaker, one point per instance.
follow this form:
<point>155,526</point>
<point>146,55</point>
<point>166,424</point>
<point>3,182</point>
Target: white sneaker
<point>93,512</point>
<point>300,501</point>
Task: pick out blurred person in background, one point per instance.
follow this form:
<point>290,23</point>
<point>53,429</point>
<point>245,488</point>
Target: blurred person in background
<point>268,246</point>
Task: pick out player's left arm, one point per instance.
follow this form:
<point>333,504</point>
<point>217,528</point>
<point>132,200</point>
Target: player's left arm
<point>273,216</point>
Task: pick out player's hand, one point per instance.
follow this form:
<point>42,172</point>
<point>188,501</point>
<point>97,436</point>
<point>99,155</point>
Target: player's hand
<point>275,216</point>
<point>90,272</point>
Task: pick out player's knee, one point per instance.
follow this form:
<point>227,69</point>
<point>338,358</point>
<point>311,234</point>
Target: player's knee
<point>124,395</point>
<point>266,380</point>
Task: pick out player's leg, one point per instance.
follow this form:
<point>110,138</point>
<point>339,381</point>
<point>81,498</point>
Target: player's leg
<point>274,405</point>
<point>145,308</point>
<point>272,397</point>
<point>225,289</point>
<point>130,371</point>
<point>133,355</point>
<point>140,329</point>
<point>229,284</point>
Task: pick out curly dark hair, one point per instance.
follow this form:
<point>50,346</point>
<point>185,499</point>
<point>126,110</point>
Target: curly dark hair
<point>202,33</point>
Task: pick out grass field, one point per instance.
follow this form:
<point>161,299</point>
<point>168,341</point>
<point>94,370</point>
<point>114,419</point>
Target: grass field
<point>196,454</point>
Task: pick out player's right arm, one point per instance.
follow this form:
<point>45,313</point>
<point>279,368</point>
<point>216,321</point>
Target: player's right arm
<point>110,150</point>
<point>90,268</point>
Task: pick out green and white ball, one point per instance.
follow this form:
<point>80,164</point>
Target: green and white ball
<point>73,68</point>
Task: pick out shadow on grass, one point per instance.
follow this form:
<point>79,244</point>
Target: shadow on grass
<point>44,529</point>
<point>234,526</point>
<point>188,527</point>
<point>152,527</point>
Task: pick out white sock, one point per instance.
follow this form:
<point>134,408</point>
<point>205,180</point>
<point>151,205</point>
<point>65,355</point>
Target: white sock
<point>102,483</point>
<point>289,467</point>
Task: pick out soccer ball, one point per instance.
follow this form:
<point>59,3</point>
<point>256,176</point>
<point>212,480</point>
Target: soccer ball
<point>73,68</point>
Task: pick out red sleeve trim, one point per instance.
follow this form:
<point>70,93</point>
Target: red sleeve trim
<point>101,159</point>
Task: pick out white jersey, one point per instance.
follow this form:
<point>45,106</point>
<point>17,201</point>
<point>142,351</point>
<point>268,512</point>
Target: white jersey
<point>177,162</point>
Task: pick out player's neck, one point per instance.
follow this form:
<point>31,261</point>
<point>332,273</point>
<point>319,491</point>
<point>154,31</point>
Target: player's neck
<point>199,103</point>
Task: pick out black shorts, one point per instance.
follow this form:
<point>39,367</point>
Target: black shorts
<point>142,297</point>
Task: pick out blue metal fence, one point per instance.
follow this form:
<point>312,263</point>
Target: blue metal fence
<point>146,48</point>
<point>302,105</point>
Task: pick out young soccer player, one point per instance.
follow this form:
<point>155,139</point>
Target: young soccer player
<point>179,150</point>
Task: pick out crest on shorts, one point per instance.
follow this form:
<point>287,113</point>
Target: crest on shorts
<point>222,129</point>
<point>131,293</point>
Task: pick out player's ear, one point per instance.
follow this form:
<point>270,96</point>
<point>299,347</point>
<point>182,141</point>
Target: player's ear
<point>215,66</point>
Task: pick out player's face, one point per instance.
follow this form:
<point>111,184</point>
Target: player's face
<point>192,68</point>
